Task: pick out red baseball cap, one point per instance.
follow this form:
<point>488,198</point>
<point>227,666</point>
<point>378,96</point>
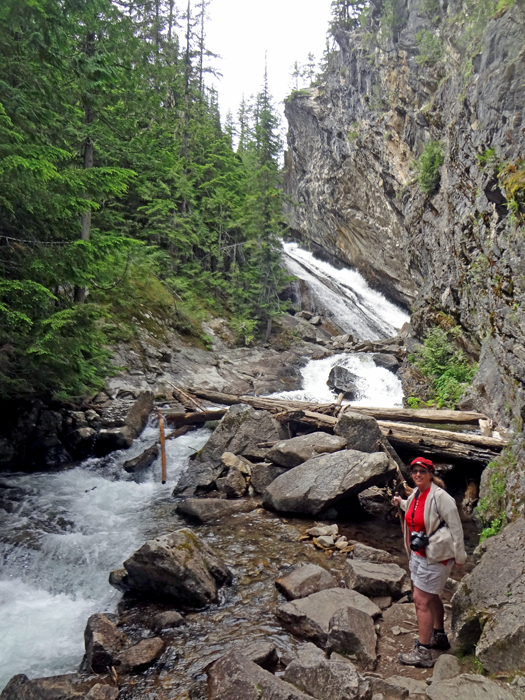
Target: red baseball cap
<point>423,463</point>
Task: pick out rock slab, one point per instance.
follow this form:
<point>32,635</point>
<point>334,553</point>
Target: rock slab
<point>376,579</point>
<point>321,482</point>
<point>468,687</point>
<point>291,453</point>
<point>351,631</point>
<point>206,510</point>
<point>304,581</point>
<point>360,432</point>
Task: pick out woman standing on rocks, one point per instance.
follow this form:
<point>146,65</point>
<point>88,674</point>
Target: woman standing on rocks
<point>434,540</point>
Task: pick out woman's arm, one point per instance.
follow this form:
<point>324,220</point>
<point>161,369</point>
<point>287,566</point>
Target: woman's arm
<point>449,512</point>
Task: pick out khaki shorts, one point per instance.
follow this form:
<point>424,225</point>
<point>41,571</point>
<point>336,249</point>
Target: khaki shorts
<point>430,578</point>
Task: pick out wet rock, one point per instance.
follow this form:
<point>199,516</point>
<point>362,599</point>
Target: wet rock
<point>360,432</point>
<point>325,679</point>
<point>207,510</point>
<point>262,653</point>
<point>233,485</point>
<point>317,484</point>
<point>362,551</point>
<point>374,579</point>
<point>291,453</point>
<point>143,461</point>
<point>117,579</point>
<point>447,666</point>
<point>305,580</point>
<point>488,608</point>
<point>234,677</point>
<point>102,692</point>
<point>122,422</point>
<point>103,642</point>
<point>343,381</point>
<point>468,687</point>
<point>140,656</point>
<point>178,566</point>
<point>82,440</point>
<point>323,530</point>
<point>167,620</point>
<point>263,474</point>
<point>66,687</point>
<point>351,631</point>
<point>240,431</point>
<point>310,617</point>
<point>389,362</point>
<point>198,478</point>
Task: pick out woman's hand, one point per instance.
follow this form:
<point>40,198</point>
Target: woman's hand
<point>397,500</point>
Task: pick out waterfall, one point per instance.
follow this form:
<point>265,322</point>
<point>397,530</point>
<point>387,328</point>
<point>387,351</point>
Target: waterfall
<point>344,296</point>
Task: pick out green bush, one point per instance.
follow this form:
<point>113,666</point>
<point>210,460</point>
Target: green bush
<point>430,48</point>
<point>447,368</point>
<point>495,528</point>
<point>427,167</point>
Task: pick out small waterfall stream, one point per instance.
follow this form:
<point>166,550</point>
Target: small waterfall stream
<point>63,532</point>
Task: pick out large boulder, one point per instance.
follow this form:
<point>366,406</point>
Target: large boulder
<point>240,431</point>
<point>376,579</point>
<point>326,679</point>
<point>103,642</point>
<point>310,617</point>
<point>360,432</point>
<point>469,686</point>
<point>234,677</point>
<point>178,566</point>
<point>304,581</point>
<point>199,477</point>
<point>263,474</point>
<point>66,687</point>
<point>291,453</point>
<point>488,608</point>
<point>363,551</point>
<point>206,510</point>
<point>343,381</point>
<point>389,362</point>
<point>321,482</point>
<point>351,631</point>
<point>122,422</point>
<point>140,656</point>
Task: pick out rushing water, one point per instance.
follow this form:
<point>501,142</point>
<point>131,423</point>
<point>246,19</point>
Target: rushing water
<point>62,533</point>
<point>345,296</point>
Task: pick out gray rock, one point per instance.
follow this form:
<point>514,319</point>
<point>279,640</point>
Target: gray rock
<point>139,656</point>
<point>304,581</point>
<point>446,666</point>
<point>416,689</point>
<point>323,530</point>
<point>291,453</point>
<point>234,677</point>
<point>351,631</point>
<point>103,642</point>
<point>382,602</point>
<point>310,617</point>
<point>122,422</point>
<point>262,653</point>
<point>388,688</point>
<point>178,566</point>
<point>198,478</point>
<point>240,431</point>
<point>361,432</point>
<point>343,381</point>
<point>374,579</point>
<point>317,484</point>
<point>143,461</point>
<point>167,620</point>
<point>263,474</point>
<point>238,462</point>
<point>326,541</point>
<point>65,687</point>
<point>207,510</point>
<point>325,679</point>
<point>379,556</point>
<point>488,608</point>
<point>468,687</point>
<point>233,485</point>
<point>389,362</point>
<point>102,692</point>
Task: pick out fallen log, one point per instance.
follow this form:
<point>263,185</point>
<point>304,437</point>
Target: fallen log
<point>411,415</point>
<point>401,430</point>
<point>143,461</point>
<point>180,431</point>
<point>179,418</point>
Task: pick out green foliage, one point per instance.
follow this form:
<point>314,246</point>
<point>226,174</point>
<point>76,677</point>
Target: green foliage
<point>488,159</point>
<point>495,527</point>
<point>430,48</point>
<point>447,368</point>
<point>427,167</point>
<point>512,178</point>
<point>504,5</point>
<point>394,18</point>
<point>491,508</point>
<point>415,402</point>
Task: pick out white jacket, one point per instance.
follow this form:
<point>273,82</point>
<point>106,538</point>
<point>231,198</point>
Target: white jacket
<point>447,542</point>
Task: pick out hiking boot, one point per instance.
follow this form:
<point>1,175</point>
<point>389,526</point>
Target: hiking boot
<point>421,657</point>
<point>439,640</point>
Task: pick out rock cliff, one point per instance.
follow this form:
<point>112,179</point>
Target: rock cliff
<point>450,74</point>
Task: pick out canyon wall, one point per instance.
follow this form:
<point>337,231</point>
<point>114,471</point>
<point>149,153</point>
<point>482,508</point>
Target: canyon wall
<point>455,256</point>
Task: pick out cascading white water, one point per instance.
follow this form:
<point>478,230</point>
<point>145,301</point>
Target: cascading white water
<point>345,296</point>
<point>66,532</point>
<point>62,533</point>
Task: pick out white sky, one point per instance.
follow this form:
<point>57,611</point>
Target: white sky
<point>240,31</point>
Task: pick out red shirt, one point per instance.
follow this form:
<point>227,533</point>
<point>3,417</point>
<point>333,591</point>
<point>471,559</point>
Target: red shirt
<point>418,510</point>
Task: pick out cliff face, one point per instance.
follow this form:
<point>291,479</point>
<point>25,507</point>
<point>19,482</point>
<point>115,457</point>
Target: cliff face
<point>456,257</point>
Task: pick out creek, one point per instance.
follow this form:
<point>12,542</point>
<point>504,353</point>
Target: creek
<point>63,532</point>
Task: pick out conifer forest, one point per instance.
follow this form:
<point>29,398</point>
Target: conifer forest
<point>123,199</point>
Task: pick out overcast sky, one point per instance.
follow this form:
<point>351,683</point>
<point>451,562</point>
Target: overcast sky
<point>240,31</point>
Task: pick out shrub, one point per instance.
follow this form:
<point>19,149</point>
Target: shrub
<point>430,48</point>
<point>427,167</point>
